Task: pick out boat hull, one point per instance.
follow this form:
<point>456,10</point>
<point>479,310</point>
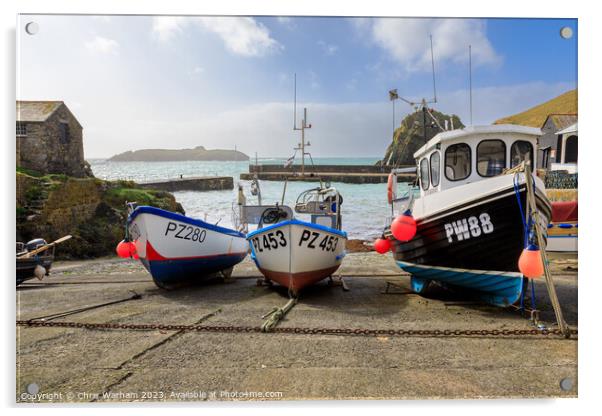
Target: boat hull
<point>563,237</point>
<point>297,254</point>
<point>175,248</point>
<point>26,267</point>
<point>474,245</point>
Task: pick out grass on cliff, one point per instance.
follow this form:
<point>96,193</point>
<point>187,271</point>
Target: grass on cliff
<point>536,116</point>
<point>119,195</point>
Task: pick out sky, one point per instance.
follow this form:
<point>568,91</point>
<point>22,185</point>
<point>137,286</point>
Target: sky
<point>138,82</point>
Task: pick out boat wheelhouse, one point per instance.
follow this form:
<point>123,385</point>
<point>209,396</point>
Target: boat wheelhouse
<point>469,217</point>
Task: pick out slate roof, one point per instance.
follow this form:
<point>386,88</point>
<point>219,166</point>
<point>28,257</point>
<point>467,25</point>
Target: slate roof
<point>36,111</point>
<point>562,121</point>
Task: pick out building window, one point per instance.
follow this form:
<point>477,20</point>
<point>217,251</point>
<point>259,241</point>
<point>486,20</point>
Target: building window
<point>458,162</point>
<point>491,157</point>
<point>570,150</point>
<point>424,173</point>
<point>522,150</point>
<point>435,168</point>
<point>64,133</point>
<point>21,129</point>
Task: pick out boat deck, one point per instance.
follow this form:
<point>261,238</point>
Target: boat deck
<point>127,365</point>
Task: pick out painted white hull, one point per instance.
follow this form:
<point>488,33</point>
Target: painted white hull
<point>174,247</point>
<point>297,254</point>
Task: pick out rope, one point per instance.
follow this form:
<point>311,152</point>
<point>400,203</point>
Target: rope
<point>276,315</point>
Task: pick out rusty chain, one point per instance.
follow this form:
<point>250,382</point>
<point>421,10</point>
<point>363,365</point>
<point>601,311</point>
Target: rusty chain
<point>308,331</point>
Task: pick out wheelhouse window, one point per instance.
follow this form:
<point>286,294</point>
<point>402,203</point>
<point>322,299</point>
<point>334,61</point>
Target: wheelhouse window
<point>21,129</point>
<point>424,174</point>
<point>458,162</point>
<point>491,157</point>
<point>435,168</point>
<point>523,150</point>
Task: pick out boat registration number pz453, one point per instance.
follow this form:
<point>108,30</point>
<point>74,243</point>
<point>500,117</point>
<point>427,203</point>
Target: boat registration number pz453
<point>185,232</point>
<point>269,241</point>
<point>466,228</point>
<point>315,240</point>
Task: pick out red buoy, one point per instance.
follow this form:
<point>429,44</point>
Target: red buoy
<point>530,262</point>
<point>123,249</point>
<point>382,245</point>
<point>404,227</point>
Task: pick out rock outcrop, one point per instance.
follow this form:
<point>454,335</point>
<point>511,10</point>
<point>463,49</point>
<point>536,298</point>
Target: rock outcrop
<point>409,136</point>
<point>93,211</point>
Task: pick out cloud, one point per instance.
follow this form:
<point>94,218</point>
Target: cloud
<point>102,45</point>
<point>241,35</point>
<point>328,49</point>
<point>166,27</point>
<point>407,40</point>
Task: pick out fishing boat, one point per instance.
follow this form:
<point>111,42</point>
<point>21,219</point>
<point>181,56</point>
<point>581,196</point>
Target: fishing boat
<point>34,258</point>
<point>563,231</point>
<point>470,219</point>
<point>287,250</point>
<point>292,252</point>
<point>175,248</point>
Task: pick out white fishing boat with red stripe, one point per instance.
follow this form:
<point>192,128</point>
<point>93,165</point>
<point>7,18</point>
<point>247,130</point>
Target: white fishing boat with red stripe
<point>175,248</point>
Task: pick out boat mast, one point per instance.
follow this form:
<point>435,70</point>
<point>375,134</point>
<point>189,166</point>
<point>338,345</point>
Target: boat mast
<point>304,126</point>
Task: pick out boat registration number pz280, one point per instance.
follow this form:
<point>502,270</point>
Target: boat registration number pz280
<point>467,228</point>
<point>185,232</point>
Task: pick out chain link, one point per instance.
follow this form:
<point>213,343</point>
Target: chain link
<point>446,333</point>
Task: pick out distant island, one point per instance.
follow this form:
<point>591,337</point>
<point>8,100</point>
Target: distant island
<point>178,155</point>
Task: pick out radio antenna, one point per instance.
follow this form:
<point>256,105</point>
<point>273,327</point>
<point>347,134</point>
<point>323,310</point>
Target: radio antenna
<point>295,105</point>
<point>433,67</point>
<point>470,79</point>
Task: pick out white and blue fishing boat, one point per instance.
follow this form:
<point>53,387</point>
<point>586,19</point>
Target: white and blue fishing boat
<point>175,248</point>
<point>292,252</point>
<point>470,224</point>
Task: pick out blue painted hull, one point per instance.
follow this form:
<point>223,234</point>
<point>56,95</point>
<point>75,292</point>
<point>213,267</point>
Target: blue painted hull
<point>171,272</point>
<point>496,288</point>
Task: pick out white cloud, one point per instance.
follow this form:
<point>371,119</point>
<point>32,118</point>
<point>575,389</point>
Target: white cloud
<point>314,82</point>
<point>407,40</point>
<point>102,45</point>
<point>327,48</point>
<point>166,27</point>
<point>241,35</point>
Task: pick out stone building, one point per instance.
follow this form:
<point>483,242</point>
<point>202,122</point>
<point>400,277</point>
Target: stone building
<point>49,139</point>
<point>550,145</point>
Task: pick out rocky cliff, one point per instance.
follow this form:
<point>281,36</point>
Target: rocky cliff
<point>90,209</point>
<point>409,136</point>
<point>174,155</point>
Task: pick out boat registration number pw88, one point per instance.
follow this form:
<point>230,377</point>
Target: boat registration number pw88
<point>310,239</point>
<point>467,228</point>
<point>185,232</point>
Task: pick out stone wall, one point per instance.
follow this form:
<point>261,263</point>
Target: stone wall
<point>42,149</point>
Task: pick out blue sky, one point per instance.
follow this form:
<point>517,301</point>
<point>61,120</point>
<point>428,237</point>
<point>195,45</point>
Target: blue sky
<point>175,82</point>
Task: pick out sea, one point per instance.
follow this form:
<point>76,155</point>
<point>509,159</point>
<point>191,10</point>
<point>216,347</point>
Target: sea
<point>364,207</point>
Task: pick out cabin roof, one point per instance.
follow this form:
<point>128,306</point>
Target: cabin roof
<point>36,111</point>
<point>477,130</point>
<point>561,121</point>
<point>570,129</point>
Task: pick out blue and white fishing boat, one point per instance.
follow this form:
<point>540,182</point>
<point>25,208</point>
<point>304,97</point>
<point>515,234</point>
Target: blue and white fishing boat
<point>470,225</point>
<point>175,248</point>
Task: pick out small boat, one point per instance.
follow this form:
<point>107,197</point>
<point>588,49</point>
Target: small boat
<point>175,248</point>
<point>34,258</point>
<point>563,231</point>
<point>292,252</point>
<point>470,220</point>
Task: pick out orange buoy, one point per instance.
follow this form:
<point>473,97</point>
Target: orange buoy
<point>382,245</point>
<point>530,262</point>
<point>390,188</point>
<point>123,249</point>
<point>404,227</point>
